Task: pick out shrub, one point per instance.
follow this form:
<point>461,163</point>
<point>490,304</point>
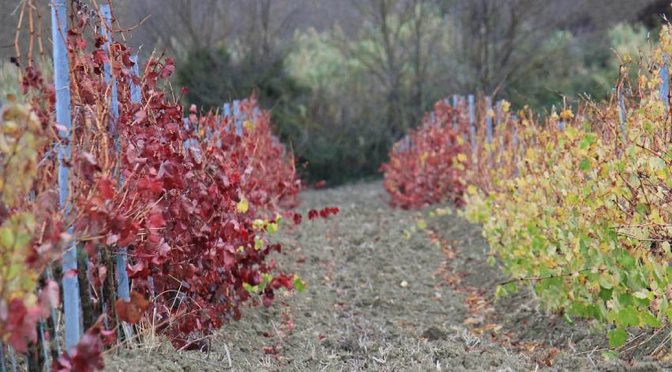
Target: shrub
<point>194,211</point>
<point>428,166</point>
<point>269,177</point>
<point>583,214</point>
<point>26,247</point>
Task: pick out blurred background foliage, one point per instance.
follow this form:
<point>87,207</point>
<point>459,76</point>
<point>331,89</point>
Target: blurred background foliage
<point>346,79</point>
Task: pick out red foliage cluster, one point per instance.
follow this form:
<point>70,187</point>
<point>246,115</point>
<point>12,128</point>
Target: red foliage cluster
<point>88,355</point>
<point>181,196</point>
<point>268,173</point>
<point>19,320</point>
<point>426,167</point>
<point>323,213</point>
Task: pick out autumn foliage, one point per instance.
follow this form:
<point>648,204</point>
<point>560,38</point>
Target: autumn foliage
<point>580,206</point>
<point>27,241</point>
<point>427,166</point>
<point>192,200</point>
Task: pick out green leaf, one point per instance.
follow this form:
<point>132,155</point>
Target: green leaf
<point>617,337</point>
<point>650,320</point>
<point>628,317</point>
<point>299,284</point>
<point>258,243</point>
<point>6,237</point>
<point>272,228</point>
<point>250,288</point>
<point>500,292</point>
<point>585,165</point>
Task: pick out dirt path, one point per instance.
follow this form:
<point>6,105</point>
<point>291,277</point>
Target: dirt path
<point>380,300</point>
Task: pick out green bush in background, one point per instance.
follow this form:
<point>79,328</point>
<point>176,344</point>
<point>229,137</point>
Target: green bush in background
<point>338,100</point>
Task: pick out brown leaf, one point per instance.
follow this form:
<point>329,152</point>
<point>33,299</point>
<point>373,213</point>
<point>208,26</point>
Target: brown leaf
<point>132,311</point>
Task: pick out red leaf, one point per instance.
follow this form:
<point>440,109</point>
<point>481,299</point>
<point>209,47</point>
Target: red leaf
<point>136,269</point>
<point>154,185</point>
<point>20,324</point>
<point>168,69</point>
<point>88,355</point>
<point>106,188</point>
<point>156,221</point>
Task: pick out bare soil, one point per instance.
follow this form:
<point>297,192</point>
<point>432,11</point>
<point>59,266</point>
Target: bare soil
<point>381,298</point>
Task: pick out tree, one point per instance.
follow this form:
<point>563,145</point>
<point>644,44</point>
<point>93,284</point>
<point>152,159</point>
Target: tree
<point>499,40</point>
<point>180,26</point>
<point>397,51</point>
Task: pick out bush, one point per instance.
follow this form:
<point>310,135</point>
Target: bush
<point>193,204</point>
<point>269,177</point>
<point>26,247</point>
<point>428,166</point>
<point>582,214</point>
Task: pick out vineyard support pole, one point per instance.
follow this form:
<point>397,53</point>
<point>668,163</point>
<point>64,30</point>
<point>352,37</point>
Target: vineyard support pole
<point>561,123</point>
<point>136,95</point>
<point>3,362</point>
<point>472,126</point>
<point>498,122</point>
<point>106,33</point>
<point>665,81</point>
<point>514,140</point>
<point>455,104</point>
<point>622,114</point>
<point>227,114</point>
<point>237,122</point>
<point>488,118</point>
<point>123,291</point>
<point>12,357</point>
<point>665,84</point>
<point>71,306</point>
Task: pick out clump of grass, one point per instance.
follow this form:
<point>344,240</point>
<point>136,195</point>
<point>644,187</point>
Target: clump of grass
<point>9,80</point>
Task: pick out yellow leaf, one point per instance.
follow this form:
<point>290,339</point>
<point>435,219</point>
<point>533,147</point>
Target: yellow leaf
<point>248,125</point>
<point>243,206</point>
<point>506,106</point>
<point>566,114</point>
<point>258,224</point>
<point>423,157</point>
